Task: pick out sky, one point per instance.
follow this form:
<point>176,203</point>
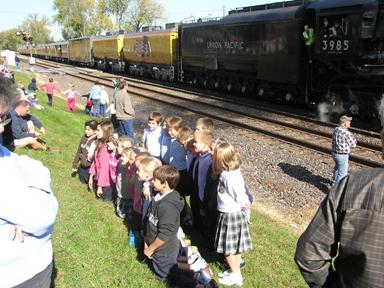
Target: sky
<point>12,13</point>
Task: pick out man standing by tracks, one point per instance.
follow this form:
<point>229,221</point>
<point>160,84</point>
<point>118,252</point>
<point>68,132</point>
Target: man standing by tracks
<point>342,142</point>
<point>125,113</point>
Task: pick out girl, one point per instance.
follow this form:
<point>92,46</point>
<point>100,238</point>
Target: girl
<point>84,153</point>
<point>50,88</point>
<point>71,92</point>
<point>233,204</point>
<point>100,168</point>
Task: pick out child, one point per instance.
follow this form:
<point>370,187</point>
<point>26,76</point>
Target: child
<point>83,152</point>
<point>152,134</point>
<point>100,168</point>
<point>177,154</point>
<point>204,124</point>
<point>71,93</point>
<point>163,221</point>
<point>124,144</point>
<point>104,101</point>
<point>32,87</point>
<point>202,144</point>
<point>232,234</point>
<point>50,88</point>
<point>165,142</point>
<point>145,173</point>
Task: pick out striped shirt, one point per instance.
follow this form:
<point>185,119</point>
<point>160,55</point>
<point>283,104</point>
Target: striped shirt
<point>349,229</point>
<point>342,141</point>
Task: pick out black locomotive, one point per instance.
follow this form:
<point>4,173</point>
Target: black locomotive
<point>260,49</point>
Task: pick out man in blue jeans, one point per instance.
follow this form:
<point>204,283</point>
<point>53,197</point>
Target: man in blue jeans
<point>342,142</point>
<point>125,113</point>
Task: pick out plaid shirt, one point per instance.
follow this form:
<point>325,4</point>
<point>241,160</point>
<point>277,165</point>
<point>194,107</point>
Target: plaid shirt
<point>342,141</point>
<point>349,224</point>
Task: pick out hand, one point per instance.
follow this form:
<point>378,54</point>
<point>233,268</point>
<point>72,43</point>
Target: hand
<point>74,170</point>
<point>90,182</point>
<point>99,192</point>
<point>16,232</point>
<point>147,192</point>
<point>148,252</point>
<point>42,131</point>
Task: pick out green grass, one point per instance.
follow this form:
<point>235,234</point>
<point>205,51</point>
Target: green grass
<point>91,243</point>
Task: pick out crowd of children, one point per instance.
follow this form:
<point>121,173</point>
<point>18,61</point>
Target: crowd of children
<point>149,186</point>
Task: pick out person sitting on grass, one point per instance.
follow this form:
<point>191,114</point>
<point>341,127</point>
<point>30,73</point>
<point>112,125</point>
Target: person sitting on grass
<point>161,244</point>
<point>24,129</point>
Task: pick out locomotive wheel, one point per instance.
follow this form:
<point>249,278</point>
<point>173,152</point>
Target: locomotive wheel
<point>288,97</point>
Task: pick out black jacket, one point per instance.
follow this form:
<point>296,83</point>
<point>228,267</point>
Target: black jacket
<point>163,221</point>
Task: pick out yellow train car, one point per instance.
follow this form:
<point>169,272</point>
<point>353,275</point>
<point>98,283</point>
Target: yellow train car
<point>41,50</point>
<point>107,52</point>
<point>152,53</point>
<point>60,51</point>
<point>79,50</point>
<point>51,51</point>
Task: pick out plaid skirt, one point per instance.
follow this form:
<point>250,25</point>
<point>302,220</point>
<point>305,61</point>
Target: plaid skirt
<point>232,234</point>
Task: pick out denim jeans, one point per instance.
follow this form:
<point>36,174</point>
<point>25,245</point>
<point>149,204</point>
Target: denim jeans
<point>103,107</point>
<point>341,166</point>
<point>126,128</point>
<point>95,108</point>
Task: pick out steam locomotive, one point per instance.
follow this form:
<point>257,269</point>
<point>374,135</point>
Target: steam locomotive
<point>259,51</point>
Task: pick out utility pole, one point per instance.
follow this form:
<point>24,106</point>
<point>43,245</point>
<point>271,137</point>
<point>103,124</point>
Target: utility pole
<point>28,40</point>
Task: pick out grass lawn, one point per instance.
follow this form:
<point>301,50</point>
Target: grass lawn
<point>91,243</point>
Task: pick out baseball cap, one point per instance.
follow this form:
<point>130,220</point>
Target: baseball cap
<point>344,119</point>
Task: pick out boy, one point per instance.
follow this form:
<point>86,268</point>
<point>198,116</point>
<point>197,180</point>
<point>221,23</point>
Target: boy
<point>153,134</point>
<point>165,142</point>
<point>204,124</point>
<point>163,221</point>
<point>177,153</point>
<point>202,144</point>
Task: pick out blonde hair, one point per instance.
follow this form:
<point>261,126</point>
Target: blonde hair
<point>204,136</point>
<point>224,158</point>
<point>127,151</point>
<point>125,141</point>
<point>149,164</point>
<point>205,123</point>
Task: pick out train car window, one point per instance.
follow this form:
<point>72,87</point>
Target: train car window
<point>333,33</point>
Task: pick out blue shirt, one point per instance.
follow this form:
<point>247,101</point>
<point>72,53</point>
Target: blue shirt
<point>165,146</point>
<point>177,155</point>
<point>204,160</point>
<point>95,92</point>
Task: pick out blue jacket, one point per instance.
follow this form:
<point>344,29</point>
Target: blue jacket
<point>19,125</point>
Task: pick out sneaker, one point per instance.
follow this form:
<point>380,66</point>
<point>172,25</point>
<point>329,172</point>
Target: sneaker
<point>232,279</point>
<point>131,239</point>
<point>224,274</point>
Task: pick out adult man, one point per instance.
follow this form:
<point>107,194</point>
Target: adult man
<point>309,39</point>
<point>346,234</point>
<point>22,129</point>
<point>27,213</point>
<point>342,142</point>
<point>125,113</point>
<point>328,32</point>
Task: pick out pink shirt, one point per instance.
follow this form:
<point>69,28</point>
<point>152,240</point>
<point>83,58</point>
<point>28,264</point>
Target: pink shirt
<point>49,87</point>
<point>72,93</point>
<point>101,167</point>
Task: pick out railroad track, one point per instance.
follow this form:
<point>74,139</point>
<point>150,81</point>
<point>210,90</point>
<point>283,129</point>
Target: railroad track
<point>298,130</point>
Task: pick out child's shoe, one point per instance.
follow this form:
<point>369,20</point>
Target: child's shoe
<point>231,279</point>
<point>132,239</point>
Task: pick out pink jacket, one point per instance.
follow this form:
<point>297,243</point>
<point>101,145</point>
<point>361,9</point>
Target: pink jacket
<point>49,87</point>
<point>101,167</point>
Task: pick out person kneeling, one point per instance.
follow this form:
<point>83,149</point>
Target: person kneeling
<point>24,128</point>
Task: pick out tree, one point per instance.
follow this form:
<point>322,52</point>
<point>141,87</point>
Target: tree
<point>143,12</point>
<point>118,8</point>
<point>37,28</point>
<point>9,40</point>
<point>79,18</point>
